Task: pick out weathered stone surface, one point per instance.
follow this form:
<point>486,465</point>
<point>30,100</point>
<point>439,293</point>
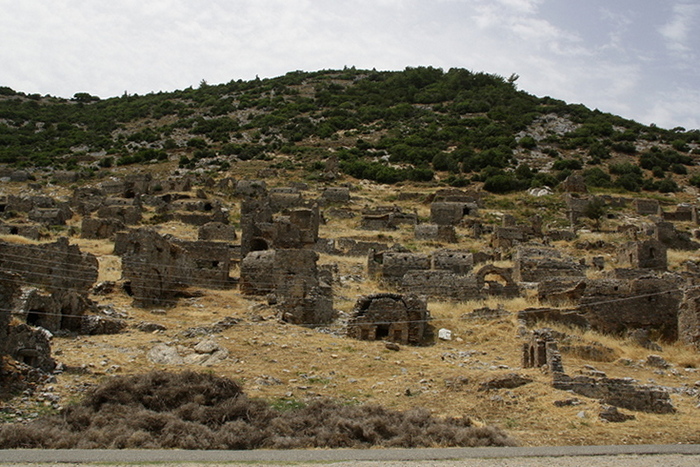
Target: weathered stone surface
<point>56,266</point>
<point>386,219</point>
<point>394,317</point>
<point>30,345</point>
<point>214,231</point>
<point>536,264</point>
<point>436,233</point>
<point>646,207</point>
<point>619,392</point>
<point>509,381</point>
<point>451,213</point>
<point>614,306</point>
<point>574,183</point>
<point>163,354</point>
<point>93,324</point>
<point>689,317</point>
<point>610,413</point>
<point>647,254</point>
<point>292,277</point>
<point>100,228</point>
<point>441,285</point>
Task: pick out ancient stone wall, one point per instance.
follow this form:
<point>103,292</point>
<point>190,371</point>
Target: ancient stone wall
<point>100,228</point>
<point>55,266</point>
<point>689,317</point>
<point>541,263</point>
<point>647,254</point>
<point>213,231</point>
<point>154,267</point>
<point>386,316</point>
<point>292,278</point>
<point>436,233</point>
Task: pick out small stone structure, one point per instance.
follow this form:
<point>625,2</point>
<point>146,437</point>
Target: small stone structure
<point>574,183</point>
<point>647,207</point>
<point>217,231</point>
<point>261,229</point>
<point>387,316</point>
<point>291,279</point>
<point>156,268</point>
<point>436,233</point>
<point>536,264</point>
<point>100,228</point>
<point>689,317</point>
<point>541,349</point>
<point>386,218</point>
<point>647,254</point>
<point>451,212</point>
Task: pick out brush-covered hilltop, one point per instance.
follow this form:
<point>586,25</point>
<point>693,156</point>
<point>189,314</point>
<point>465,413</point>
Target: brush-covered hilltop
<point>345,258</point>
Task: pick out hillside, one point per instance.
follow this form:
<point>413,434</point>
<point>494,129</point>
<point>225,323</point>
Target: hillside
<point>456,127</point>
<point>349,174</point>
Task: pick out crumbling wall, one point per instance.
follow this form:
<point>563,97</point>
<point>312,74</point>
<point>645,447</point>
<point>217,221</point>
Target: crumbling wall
<point>536,264</point>
<point>441,285</point>
<point>647,254</point>
<point>689,317</point>
<point>394,317</point>
<point>292,280</point>
<point>217,231</point>
<point>100,228</point>
<point>386,218</point>
<point>55,266</point>
<point>153,267</point>
<point>436,233</point>
<point>614,306</point>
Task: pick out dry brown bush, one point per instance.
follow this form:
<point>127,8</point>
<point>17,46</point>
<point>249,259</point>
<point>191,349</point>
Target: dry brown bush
<point>201,411</point>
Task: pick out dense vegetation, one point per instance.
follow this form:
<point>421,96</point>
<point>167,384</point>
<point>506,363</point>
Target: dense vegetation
<point>188,410</point>
<point>383,126</point>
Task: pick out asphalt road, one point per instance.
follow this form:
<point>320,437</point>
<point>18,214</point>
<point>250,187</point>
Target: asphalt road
<point>636,455</point>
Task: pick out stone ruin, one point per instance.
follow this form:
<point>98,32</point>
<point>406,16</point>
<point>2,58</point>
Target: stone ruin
<point>647,207</point>
<point>335,195</point>
<point>621,301</point>
<point>403,319</point>
<point>436,233</point>
<point>647,254</point>
<point>20,341</point>
<point>42,210</point>
<point>57,278</point>
<point>451,212</point>
<point>444,274</point>
<point>217,231</point>
<point>346,246</point>
<point>666,233</point>
<point>510,233</point>
<point>684,213</point>
<point>541,350</point>
<point>292,281</point>
<point>262,229</point>
<point>537,264</point>
<point>157,268</point>
<point>386,218</point>
<point>689,317</point>
<point>96,228</point>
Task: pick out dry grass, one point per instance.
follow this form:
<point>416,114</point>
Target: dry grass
<point>288,365</point>
<point>188,410</point>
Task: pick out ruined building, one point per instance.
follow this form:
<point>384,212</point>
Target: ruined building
<point>157,267</point>
<point>403,319</point>
<point>57,278</point>
<point>291,279</point>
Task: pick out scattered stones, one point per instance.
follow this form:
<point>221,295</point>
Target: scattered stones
<point>610,413</point>
<point>657,361</point>
<point>508,381</point>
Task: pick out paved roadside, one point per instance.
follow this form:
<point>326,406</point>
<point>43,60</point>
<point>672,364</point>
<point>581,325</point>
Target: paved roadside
<point>574,456</point>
